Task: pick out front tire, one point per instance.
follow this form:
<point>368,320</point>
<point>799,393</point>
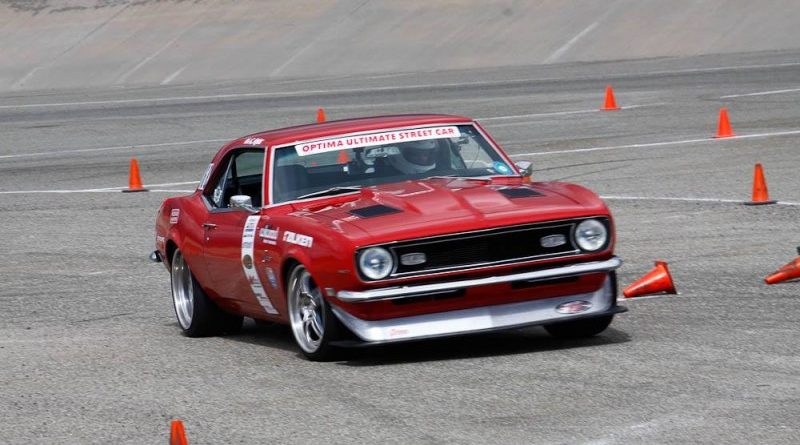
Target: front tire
<point>197,315</point>
<point>588,327</point>
<point>313,324</point>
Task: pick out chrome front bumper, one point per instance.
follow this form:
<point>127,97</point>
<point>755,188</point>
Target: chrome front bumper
<point>390,293</point>
<point>482,319</point>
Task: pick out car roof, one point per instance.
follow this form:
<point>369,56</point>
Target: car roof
<point>283,136</point>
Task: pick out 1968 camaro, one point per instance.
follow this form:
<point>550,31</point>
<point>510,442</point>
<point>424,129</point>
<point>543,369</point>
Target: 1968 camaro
<point>385,229</point>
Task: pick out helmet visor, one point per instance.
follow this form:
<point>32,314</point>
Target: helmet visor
<point>420,156</point>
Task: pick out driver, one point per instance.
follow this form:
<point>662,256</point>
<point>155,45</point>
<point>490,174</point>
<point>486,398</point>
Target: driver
<point>414,157</point>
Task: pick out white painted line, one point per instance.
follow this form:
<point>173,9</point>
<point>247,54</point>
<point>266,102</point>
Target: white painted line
<point>667,198</point>
<point>158,52</point>
<point>171,191</point>
<point>61,192</point>
<point>762,93</point>
<point>378,89</point>
<point>111,189</point>
<point>614,147</point>
<point>142,100</point>
<point>677,199</point>
<point>22,192</point>
<point>718,68</point>
<point>559,113</point>
<point>50,62</point>
<point>292,59</point>
<point>164,184</point>
<point>112,148</point>
<point>646,297</point>
<point>172,76</point>
<point>520,116</point>
<point>99,272</point>
<point>631,107</point>
<point>566,47</point>
<point>659,144</point>
<point>20,83</point>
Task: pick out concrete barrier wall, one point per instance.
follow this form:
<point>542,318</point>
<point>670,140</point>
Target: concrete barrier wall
<point>103,43</point>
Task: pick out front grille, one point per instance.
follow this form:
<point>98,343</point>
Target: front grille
<point>474,249</point>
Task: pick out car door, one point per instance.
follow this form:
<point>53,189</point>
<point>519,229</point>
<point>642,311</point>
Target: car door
<point>230,231</point>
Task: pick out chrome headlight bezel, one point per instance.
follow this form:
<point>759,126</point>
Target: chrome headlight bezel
<point>372,253</point>
<point>592,235</point>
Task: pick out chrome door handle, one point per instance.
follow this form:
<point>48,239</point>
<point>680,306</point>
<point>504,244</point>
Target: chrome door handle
<point>209,225</point>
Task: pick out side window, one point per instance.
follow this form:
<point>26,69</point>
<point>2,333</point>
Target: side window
<point>250,164</point>
<point>242,175</point>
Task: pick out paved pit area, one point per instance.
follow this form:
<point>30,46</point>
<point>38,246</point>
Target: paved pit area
<point>91,352</point>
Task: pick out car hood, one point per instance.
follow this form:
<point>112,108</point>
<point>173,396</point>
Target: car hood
<point>430,207</point>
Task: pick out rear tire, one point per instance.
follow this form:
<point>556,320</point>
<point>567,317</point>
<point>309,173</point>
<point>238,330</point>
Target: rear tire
<point>197,315</point>
<point>588,327</point>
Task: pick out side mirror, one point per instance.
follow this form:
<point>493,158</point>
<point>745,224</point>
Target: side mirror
<point>525,169</point>
<point>242,202</point>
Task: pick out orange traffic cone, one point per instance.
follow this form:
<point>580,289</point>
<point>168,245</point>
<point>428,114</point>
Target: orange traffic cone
<point>655,281</point>
<point>724,129</point>
<point>790,271</point>
<point>320,115</point>
<point>177,436</point>
<point>610,104</point>
<point>134,180</point>
<point>343,158</point>
<point>760,193</point>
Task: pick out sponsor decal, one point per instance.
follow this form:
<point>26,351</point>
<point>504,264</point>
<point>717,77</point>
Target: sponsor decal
<point>501,168</point>
<point>398,332</point>
<point>574,307</point>
<point>271,277</point>
<point>174,215</point>
<point>247,261</point>
<point>248,238</point>
<point>206,175</point>
<point>253,141</point>
<point>553,241</point>
<point>296,238</point>
<point>218,195</point>
<point>161,242</point>
<point>367,140</point>
<point>269,235</point>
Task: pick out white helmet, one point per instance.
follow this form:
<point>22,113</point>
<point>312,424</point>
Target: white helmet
<point>414,157</point>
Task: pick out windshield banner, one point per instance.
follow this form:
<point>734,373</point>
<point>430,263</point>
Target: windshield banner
<point>368,140</point>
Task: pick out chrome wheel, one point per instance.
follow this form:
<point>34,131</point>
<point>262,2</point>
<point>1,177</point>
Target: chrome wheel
<point>306,310</point>
<point>182,290</point>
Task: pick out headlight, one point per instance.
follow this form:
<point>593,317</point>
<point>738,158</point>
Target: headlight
<point>591,235</point>
<point>375,263</point>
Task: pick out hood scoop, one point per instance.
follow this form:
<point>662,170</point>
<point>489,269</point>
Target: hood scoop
<point>518,192</point>
<point>374,210</point>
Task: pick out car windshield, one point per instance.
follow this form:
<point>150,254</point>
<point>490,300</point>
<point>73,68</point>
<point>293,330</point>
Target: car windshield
<point>344,164</point>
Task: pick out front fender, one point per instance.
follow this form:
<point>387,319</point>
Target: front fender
<point>328,260</point>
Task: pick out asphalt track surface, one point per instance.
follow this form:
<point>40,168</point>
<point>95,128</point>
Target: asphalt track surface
<point>91,352</point>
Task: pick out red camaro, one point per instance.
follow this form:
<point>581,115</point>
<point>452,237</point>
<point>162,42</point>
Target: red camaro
<point>382,230</point>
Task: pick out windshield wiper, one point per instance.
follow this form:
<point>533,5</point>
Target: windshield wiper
<point>331,191</point>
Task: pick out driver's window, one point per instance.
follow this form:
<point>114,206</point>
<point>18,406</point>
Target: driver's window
<point>243,175</point>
